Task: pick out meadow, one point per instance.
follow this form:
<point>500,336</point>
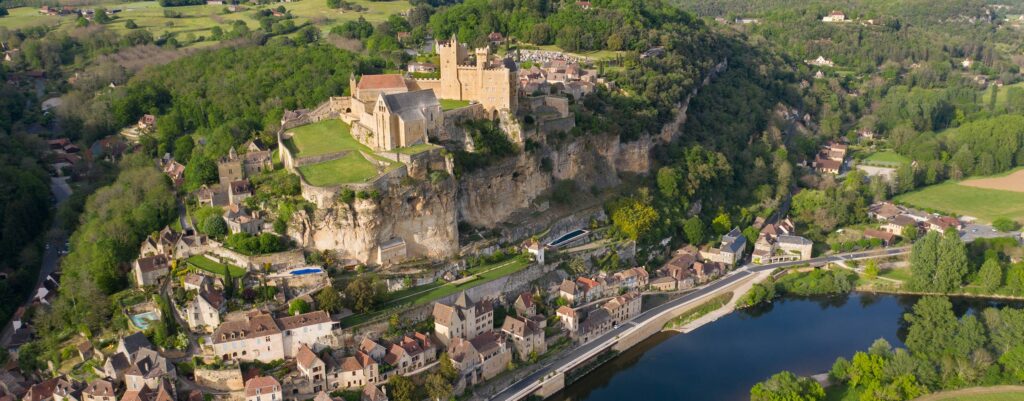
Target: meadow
<point>954,197</point>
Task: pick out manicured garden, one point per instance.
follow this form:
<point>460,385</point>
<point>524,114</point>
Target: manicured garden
<point>984,204</point>
<point>203,263</point>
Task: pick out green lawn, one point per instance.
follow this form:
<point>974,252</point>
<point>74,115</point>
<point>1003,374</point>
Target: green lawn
<point>896,274</point>
<point>434,291</point>
<point>414,149</point>
<point>353,168</point>
<point>887,157</point>
<point>985,204</point>
<point>328,136</point>
<point>841,393</point>
<point>449,104</point>
<point>203,263</point>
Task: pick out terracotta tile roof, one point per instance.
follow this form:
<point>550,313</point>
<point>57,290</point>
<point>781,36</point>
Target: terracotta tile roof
<point>153,263</point>
<point>261,385</point>
<point>304,320</point>
<point>565,310</point>
<point>100,388</point>
<point>381,81</point>
<point>253,326</point>
<point>306,358</point>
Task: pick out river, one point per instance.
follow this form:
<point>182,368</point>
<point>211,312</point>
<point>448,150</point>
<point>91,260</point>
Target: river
<point>723,359</point>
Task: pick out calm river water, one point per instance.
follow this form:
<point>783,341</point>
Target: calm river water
<point>723,359</point>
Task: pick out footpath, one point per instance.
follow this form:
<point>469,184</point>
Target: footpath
<point>725,309</point>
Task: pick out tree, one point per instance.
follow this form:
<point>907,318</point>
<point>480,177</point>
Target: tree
<point>402,388</point>
<point>1013,361</point>
<point>909,233</point>
<point>200,170</point>
<point>634,219</point>
<point>3,12</point>
<point>438,387</point>
<point>924,261</point>
<point>990,277</point>
<point>183,148</point>
<point>694,230</point>
<point>932,324</point>
<point>329,299</point>
<point>362,294</point>
<point>785,386</point>
<point>130,24</point>
<point>871,270</point>
<point>668,182</point>
<point>1005,225</point>
<point>447,368</point>
<point>214,226</point>
<point>721,224</point>
<point>952,263</point>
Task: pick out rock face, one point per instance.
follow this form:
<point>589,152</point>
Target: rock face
<point>421,213</point>
<point>489,197</point>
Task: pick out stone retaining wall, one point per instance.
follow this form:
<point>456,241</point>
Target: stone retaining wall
<point>277,260</point>
<point>223,380</point>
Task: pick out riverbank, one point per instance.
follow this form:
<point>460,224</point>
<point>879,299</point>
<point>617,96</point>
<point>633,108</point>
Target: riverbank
<point>712,315</point>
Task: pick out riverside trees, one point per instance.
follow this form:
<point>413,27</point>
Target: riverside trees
<point>938,264</point>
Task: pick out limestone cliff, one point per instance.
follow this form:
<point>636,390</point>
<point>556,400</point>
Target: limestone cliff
<point>421,213</point>
<point>489,197</point>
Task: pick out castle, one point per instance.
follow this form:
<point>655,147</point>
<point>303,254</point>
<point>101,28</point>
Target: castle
<point>389,111</point>
<point>490,83</point>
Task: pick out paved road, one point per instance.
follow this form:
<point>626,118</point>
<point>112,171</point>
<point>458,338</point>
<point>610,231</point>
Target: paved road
<point>569,360</point>
<point>51,255</point>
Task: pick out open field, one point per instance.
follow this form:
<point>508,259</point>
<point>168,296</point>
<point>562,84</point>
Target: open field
<point>953,197</point>
<point>886,157</point>
<point>204,263</point>
<point>1001,96</point>
<point>352,168</point>
<point>996,393</point>
<point>1009,182</point>
<point>200,19</point>
<point>434,291</point>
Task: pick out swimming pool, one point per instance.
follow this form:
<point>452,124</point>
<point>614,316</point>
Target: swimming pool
<point>308,270</point>
<point>143,320</point>
<point>564,239</point>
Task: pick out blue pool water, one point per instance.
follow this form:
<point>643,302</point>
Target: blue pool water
<point>312,270</point>
<point>567,237</point>
<point>143,320</point>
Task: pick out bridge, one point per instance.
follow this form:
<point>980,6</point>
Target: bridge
<point>551,377</point>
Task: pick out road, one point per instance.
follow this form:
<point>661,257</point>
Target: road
<point>528,385</point>
<point>53,252</point>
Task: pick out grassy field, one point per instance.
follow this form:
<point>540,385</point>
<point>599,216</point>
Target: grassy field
<point>203,263</point>
<point>331,136</point>
<point>414,149</point>
<point>886,157</point>
<point>896,274</point>
<point>996,393</point>
<point>1001,96</point>
<point>200,19</point>
<point>434,291</point>
<point>984,204</point>
<point>328,136</point>
<point>352,168</point>
<point>449,104</point>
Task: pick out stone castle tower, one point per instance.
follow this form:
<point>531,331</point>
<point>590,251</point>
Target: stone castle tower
<point>493,86</point>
